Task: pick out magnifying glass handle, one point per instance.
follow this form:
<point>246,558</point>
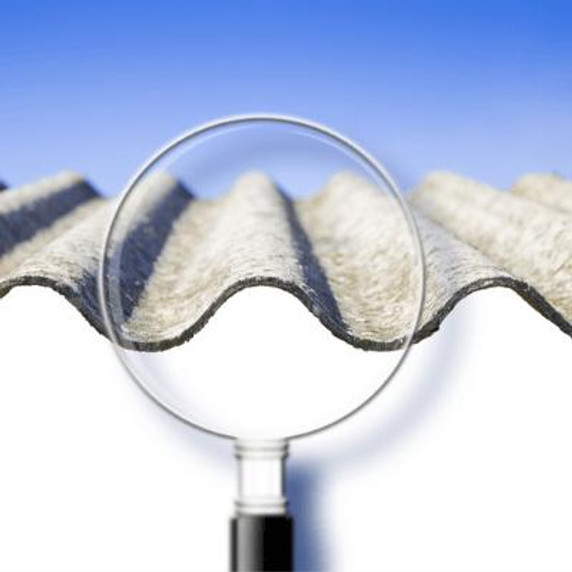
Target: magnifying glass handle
<point>262,530</point>
<point>261,543</point>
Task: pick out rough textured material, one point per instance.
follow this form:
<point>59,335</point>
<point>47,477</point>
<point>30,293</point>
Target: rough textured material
<point>345,252</point>
<point>530,243</point>
<point>549,189</point>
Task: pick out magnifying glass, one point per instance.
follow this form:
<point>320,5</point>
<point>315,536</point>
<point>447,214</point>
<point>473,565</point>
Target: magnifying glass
<point>262,201</point>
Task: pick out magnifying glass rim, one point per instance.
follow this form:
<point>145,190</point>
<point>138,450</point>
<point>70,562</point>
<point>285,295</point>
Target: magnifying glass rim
<point>252,118</point>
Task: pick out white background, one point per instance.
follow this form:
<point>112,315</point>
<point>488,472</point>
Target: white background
<point>463,464</point>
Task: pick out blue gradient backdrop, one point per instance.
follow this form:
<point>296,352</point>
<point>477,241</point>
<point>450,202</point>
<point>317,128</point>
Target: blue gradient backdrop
<point>483,88</point>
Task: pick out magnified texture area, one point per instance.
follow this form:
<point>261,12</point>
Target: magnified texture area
<point>334,251</point>
<point>344,252</point>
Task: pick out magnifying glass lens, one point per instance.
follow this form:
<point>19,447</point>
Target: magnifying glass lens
<point>219,243</point>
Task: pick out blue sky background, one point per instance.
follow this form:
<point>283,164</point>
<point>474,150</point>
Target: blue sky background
<point>483,88</point>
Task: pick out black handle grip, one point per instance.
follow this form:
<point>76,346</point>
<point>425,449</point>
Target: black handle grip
<point>262,543</point>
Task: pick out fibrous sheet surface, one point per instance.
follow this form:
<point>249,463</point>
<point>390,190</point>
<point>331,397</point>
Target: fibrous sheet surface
<point>345,252</point>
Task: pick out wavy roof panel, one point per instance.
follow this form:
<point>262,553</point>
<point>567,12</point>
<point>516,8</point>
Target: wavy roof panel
<point>344,252</point>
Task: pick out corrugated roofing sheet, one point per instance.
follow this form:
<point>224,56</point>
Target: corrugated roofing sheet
<point>347,260</point>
